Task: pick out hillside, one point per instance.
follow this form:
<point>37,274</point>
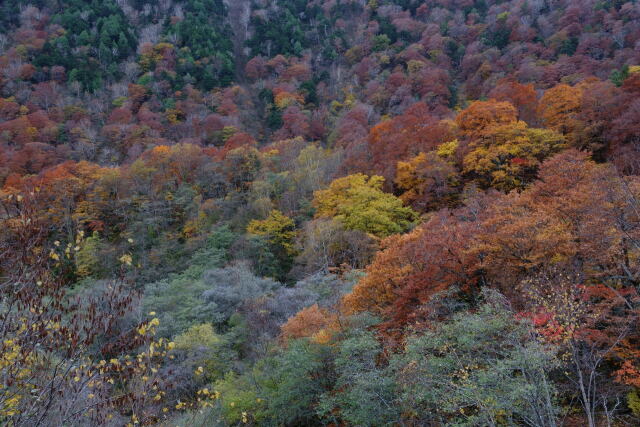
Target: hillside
<point>324,212</point>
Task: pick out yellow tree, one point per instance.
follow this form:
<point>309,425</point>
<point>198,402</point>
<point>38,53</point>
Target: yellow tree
<point>276,235</point>
<point>509,155</point>
<point>360,204</point>
<point>277,228</point>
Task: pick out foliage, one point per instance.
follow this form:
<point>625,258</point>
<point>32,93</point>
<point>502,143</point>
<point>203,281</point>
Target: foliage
<point>366,392</point>
<point>485,368</point>
<point>70,350</point>
<point>481,116</point>
<point>204,39</point>
<point>412,268</point>
<point>360,204</point>
<point>428,181</point>
<point>98,32</point>
<point>237,176</point>
<point>178,300</point>
<point>294,381</point>
<point>279,232</point>
<point>228,288</point>
<point>559,107</point>
<point>327,244</point>
<point>634,402</point>
<point>281,389</point>
<point>415,131</point>
<point>87,259</point>
<point>285,29</point>
<point>508,156</point>
<point>201,347</point>
<point>310,322</point>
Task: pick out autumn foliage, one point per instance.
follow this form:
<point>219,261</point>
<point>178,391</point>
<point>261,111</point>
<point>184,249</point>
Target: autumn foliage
<point>320,213</point>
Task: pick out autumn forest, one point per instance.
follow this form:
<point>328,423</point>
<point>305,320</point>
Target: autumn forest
<point>320,212</point>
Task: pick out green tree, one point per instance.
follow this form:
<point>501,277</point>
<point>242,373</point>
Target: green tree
<point>365,390</point>
<point>89,261</point>
<point>294,381</point>
<point>178,298</point>
<point>480,369</point>
<point>200,346</point>
<point>282,389</point>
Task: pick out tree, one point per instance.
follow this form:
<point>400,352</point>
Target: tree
<point>311,322</point>
<point>326,244</point>
<point>256,67</point>
<point>295,123</point>
<point>278,228</point>
<point>301,374</point>
<point>200,346</point>
<point>481,116</point>
<point>178,300</point>
<point>427,181</point>
<point>508,156</point>
<point>62,354</point>
<point>360,204</point>
<point>521,96</point>
<point>365,392</point>
<point>240,166</point>
<point>61,188</point>
<point>589,323</point>
<point>412,268</point>
<point>45,94</point>
<point>559,108</point>
<point>578,215</point>
<point>88,260</point>
<point>279,232</point>
<point>402,137</point>
<point>482,368</point>
<point>281,389</point>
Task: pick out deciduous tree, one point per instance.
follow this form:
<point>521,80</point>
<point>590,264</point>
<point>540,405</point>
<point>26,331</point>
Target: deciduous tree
<point>360,204</point>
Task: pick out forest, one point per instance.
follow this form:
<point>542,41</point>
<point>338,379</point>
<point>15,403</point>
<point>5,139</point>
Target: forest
<point>320,213</point>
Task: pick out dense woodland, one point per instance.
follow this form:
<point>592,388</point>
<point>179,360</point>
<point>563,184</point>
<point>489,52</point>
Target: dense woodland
<point>322,212</point>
